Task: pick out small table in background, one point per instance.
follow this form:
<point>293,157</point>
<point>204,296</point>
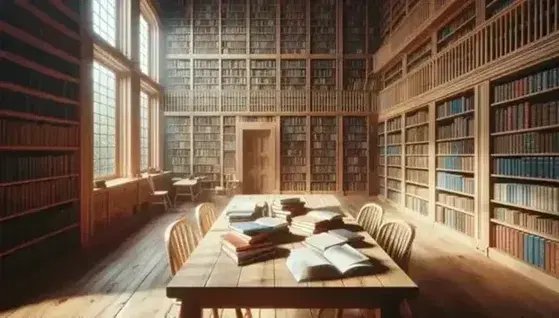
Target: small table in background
<point>187,188</point>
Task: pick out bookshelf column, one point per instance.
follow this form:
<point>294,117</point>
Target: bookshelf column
<point>432,152</point>
<point>482,165</point>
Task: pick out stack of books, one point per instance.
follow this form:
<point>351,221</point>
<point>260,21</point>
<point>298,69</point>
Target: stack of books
<point>288,208</point>
<point>317,221</point>
<point>243,212</point>
<point>250,242</point>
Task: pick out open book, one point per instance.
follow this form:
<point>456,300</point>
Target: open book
<point>307,264</point>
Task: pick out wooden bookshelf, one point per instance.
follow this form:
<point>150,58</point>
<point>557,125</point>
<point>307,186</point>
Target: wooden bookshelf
<point>207,150</point>
<point>394,151</point>
<point>229,146</point>
<point>455,146</point>
<point>417,57</point>
<point>456,28</point>
<point>355,26</point>
<point>493,7</point>
<point>355,72</point>
<point>178,145</point>
<point>263,84</point>
<point>234,27</point>
<point>206,81</point>
<point>382,158</point>
<point>392,74</point>
<point>293,85</point>
<point>234,85</point>
<point>294,154</point>
<point>293,24</point>
<point>323,27</point>
<point>263,26</point>
<point>178,74</point>
<point>355,154</point>
<point>525,166</point>
<point>40,167</point>
<point>417,160</point>
<point>206,27</point>
<point>178,35</point>
<point>324,153</point>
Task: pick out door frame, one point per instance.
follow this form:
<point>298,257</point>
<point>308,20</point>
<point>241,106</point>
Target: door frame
<point>251,126</point>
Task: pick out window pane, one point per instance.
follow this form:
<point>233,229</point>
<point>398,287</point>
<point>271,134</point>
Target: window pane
<point>144,131</point>
<point>144,45</point>
<point>104,20</point>
<point>104,117</point>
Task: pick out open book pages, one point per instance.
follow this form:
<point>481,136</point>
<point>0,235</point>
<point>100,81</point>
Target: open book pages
<point>307,264</point>
<point>323,241</point>
<point>244,207</point>
<point>322,215</point>
<point>272,222</point>
<point>347,235</point>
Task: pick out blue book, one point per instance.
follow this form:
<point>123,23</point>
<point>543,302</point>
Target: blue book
<point>542,252</point>
<point>251,228</point>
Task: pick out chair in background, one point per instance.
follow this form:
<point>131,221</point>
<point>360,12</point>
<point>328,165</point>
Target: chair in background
<point>161,196</point>
<point>205,216</point>
<point>180,241</point>
<point>370,218</point>
<point>232,184</point>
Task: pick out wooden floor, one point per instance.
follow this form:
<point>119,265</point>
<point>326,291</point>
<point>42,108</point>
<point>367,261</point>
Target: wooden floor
<point>454,280</point>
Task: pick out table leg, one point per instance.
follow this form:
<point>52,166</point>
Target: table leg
<point>190,310</point>
<point>390,309</point>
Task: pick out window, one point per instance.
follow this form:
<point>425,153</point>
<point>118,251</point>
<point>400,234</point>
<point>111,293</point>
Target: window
<point>144,131</point>
<point>104,121</point>
<point>104,20</point>
<point>144,45</point>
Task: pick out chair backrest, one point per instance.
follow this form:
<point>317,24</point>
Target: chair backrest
<point>180,241</point>
<point>370,218</point>
<point>151,185</point>
<point>396,238</point>
<point>205,216</point>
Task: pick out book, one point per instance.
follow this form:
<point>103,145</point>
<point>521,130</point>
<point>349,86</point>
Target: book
<point>307,264</point>
<point>250,258</point>
<point>236,243</point>
<point>323,241</point>
<point>261,225</point>
<point>288,201</point>
<point>251,239</point>
<point>346,234</point>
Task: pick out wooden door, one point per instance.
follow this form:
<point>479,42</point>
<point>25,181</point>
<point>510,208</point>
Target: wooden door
<point>258,162</point>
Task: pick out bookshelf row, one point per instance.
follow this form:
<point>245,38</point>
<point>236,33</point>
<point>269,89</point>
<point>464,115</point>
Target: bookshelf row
<point>39,137</point>
<point>235,74</point>
<point>309,151</point>
<point>522,139</point>
<point>264,27</point>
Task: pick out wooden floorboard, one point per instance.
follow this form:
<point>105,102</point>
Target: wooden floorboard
<point>454,280</point>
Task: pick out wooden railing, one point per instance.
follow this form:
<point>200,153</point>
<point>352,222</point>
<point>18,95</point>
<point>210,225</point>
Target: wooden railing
<point>270,101</point>
<point>522,24</point>
<point>414,23</point>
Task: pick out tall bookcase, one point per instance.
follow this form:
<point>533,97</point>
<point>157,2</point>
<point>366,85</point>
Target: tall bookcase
<point>416,163</point>
<point>394,152</point>
<point>355,154</point>
<point>524,141</point>
<point>455,146</point>
<point>39,136</point>
<point>382,158</point>
<point>324,152</point>
<point>294,154</point>
<point>207,150</point>
<point>178,145</point>
<point>229,146</point>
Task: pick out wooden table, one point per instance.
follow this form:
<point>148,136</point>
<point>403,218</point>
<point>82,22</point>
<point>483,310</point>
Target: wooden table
<point>187,188</point>
<point>211,279</point>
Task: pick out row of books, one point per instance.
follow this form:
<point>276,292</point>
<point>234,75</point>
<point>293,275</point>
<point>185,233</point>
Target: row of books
<point>421,116</point>
<point>23,197</point>
<point>19,103</point>
<point>419,176</point>
<point>417,162</point>
<point>457,201</point>
<point>417,134</point>
<point>417,190</point>
<point>533,83</point>
<point>394,139</point>
<point>532,249</point>
<point>455,182</point>
<point>394,160</point>
<point>456,220</point>
<point>526,115</point>
<point>417,149</point>
<point>532,142</point>
<point>456,147</point>
<point>534,167</point>
<point>455,106</point>
<point>24,133</point>
<point>14,167</point>
<point>531,221</point>
<point>20,230</point>
<point>417,205</point>
<point>545,198</point>
<point>460,127</point>
<point>456,163</point>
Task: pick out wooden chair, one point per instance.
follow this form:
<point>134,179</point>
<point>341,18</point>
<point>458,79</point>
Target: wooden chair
<point>232,184</point>
<point>396,239</point>
<point>180,241</point>
<point>205,216</point>
<point>161,196</point>
<point>370,218</point>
